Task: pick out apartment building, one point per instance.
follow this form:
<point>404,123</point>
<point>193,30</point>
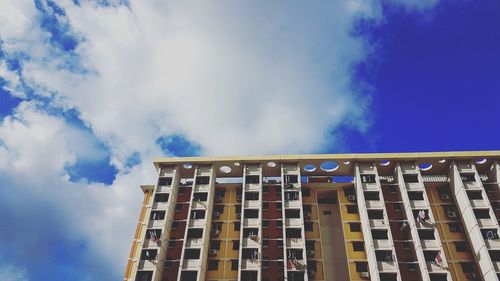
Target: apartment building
<point>404,216</point>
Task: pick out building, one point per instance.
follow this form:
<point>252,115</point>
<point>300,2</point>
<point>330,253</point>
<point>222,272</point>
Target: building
<point>405,216</point>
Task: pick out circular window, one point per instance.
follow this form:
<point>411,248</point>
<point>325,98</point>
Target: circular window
<point>225,169</point>
<point>481,161</point>
<point>425,166</point>
<point>309,168</point>
<point>271,164</point>
<point>329,166</point>
<point>385,162</point>
<point>187,166</point>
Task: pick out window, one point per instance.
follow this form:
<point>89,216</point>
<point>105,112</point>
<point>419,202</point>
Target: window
<point>236,226</point>
<point>306,192</point>
<point>482,213</point>
<point>236,244</point>
<point>251,213</point>
<point>215,245</point>
<point>175,225</point>
<point>171,244</point>
<point>397,207</point>
<point>368,178</point>
<point>252,196</point>
<point>358,246</point>
<point>292,213</point>
<point>410,178</point>
<point>375,214</point>
<point>198,214</point>
<point>265,206</point>
<point>372,195</point>
<point>310,245</point>
<point>247,232</point>
<point>178,207</point>
<point>265,189</point>
<point>461,246</point>
<point>467,267</point>
<point>352,209</point>
<point>148,254</point>
<point>153,233</point>
<point>416,195</point>
<point>293,233</point>
<point>454,227</point>
<point>278,190</point>
<point>164,181</point>
<point>291,179</point>
<point>144,276</point>
<point>200,196</point>
<point>355,227</point>
<point>195,233</point>
<point>279,224</point>
<point>361,267</point>
<point>161,197</point>
<point>213,265</point>
<point>265,223</point>
<point>475,195</point>
<point>379,234</point>
<point>468,177</point>
<point>220,192</point>
<point>192,254</point>
<point>265,243</point>
<point>157,215</point>
<point>278,206</point>
<point>234,265</point>
<point>203,180</point>
<point>426,234</point>
<point>308,226</point>
<point>252,179</point>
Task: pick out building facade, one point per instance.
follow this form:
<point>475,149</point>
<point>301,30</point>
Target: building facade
<point>406,216</point>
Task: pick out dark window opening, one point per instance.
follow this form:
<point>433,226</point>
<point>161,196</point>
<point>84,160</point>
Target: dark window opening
<point>213,265</point>
<point>454,227</point>
<point>461,246</point>
<point>410,178</point>
<point>194,233</point>
<point>308,226</point>
<point>157,215</point>
<point>361,266</point>
<point>426,234</point>
<point>293,233</point>
<point>384,255</point>
<point>251,213</point>
<point>291,195</point>
<point>203,180</point>
<point>164,181</point>
<point>200,196</point>
<point>215,245</point>
<point>355,227</point>
<point>236,244</point>
<point>234,265</point>
<point>252,196</point>
<point>291,179</point>
<point>475,195</point>
<point>250,254</point>
<point>153,234</point>
<point>468,177</point>
<point>292,213</point>
<point>189,275</point>
<point>252,179</point>
<point>379,234</point>
<point>250,232</point>
<point>482,213</point>
<point>192,254</point>
<point>372,195</point>
<point>197,214</point>
<point>352,209</point>
<point>306,192</point>
<point>416,195</point>
<point>161,197</point>
<point>237,226</point>
<point>358,246</point>
<point>149,254</point>
<point>368,178</point>
<point>375,214</point>
<point>467,267</point>
<point>144,276</point>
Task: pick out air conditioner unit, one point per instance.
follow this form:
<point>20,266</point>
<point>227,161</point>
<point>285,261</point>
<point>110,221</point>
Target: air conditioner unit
<point>351,197</point>
<point>471,275</point>
<point>451,214</point>
<point>445,196</point>
<point>364,274</point>
<point>218,199</point>
<point>212,252</point>
<point>310,252</point>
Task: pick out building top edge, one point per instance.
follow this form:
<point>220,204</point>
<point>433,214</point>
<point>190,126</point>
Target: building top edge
<point>304,157</point>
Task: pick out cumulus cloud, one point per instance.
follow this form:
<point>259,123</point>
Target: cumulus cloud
<point>232,78</point>
<point>12,273</point>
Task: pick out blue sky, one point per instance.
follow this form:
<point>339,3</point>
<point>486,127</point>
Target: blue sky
<point>91,91</point>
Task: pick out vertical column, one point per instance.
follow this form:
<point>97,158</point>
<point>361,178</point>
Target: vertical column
<point>158,226</point>
<point>476,214</point>
<point>197,236</point>
<point>382,261</point>
<point>421,222</point>
<point>293,217</point>
<point>249,268</point>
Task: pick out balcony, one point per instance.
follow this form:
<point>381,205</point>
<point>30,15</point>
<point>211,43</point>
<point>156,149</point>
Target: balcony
<point>294,242</point>
<point>486,223</point>
<point>159,206</point>
<point>251,222</point>
<point>194,243</point>
<point>413,186</point>
<point>293,204</point>
<point>478,203</point>
<point>190,264</point>
<point>164,188</point>
<point>201,187</point>
<point>386,266</point>
<point>156,224</point>
<point>434,267</point>
<point>293,222</point>
<point>252,204</point>
<point>249,243</point>
<point>429,244</point>
<point>199,205</point>
<point>418,204</point>
<point>250,264</point>
<point>369,186</point>
<point>472,185</point>
<point>378,223</point>
<point>492,244</point>
<point>197,223</point>
<point>381,244</point>
<point>372,204</point>
<point>252,186</point>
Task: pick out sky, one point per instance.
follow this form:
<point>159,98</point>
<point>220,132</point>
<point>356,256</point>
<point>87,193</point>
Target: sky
<point>92,91</point>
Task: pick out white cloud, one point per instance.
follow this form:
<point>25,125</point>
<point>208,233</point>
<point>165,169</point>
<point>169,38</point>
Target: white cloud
<point>233,77</point>
<point>10,272</point>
